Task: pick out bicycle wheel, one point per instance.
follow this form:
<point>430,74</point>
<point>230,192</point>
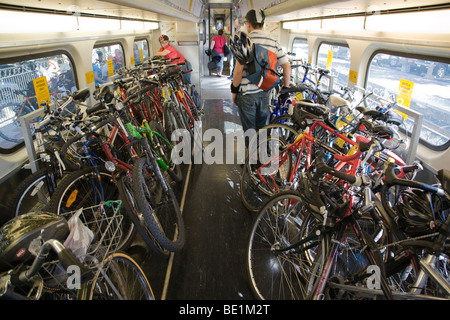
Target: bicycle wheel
<point>158,204</point>
<point>277,267</point>
<point>119,277</point>
<point>84,188</point>
<point>127,196</point>
<point>33,194</point>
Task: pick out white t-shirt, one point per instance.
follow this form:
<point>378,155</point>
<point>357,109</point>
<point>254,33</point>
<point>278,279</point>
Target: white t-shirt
<point>260,37</point>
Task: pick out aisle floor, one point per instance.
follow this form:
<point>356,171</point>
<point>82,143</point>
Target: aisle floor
<point>212,265</point>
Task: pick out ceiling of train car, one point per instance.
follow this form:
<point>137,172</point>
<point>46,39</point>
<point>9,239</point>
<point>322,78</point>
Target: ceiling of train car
<point>193,10</point>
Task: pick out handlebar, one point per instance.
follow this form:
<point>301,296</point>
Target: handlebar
<point>65,256</point>
<point>392,179</point>
<point>322,167</point>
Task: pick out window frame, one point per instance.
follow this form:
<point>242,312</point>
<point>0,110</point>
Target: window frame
<point>432,58</point>
<point>334,43</point>
<point>109,44</point>
<point>307,44</point>
<point>35,56</point>
<point>148,47</point>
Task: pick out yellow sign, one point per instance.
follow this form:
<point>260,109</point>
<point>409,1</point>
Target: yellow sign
<point>329,59</point>
<point>110,67</point>
<point>141,52</point>
<point>41,89</point>
<point>89,77</point>
<point>132,60</point>
<point>353,76</point>
<point>405,89</point>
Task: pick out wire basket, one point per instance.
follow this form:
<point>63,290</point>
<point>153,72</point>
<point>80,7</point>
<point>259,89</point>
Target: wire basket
<point>105,223</point>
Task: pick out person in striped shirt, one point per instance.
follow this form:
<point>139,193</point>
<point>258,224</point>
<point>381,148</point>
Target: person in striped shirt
<point>252,102</point>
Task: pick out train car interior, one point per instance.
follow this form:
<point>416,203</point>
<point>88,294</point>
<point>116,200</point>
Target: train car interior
<point>94,113</point>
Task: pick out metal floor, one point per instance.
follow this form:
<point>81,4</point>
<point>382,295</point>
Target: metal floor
<point>212,265</point>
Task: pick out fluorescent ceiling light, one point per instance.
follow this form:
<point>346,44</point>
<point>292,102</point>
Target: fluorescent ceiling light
<point>27,22</point>
<point>417,22</point>
<point>132,25</point>
<point>302,25</point>
<point>98,24</point>
<point>151,25</point>
<point>347,24</point>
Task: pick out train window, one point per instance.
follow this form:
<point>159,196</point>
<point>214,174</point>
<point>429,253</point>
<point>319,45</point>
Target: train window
<point>140,51</point>
<point>300,48</point>
<point>18,80</point>
<point>107,61</point>
<point>336,58</point>
<point>429,79</point>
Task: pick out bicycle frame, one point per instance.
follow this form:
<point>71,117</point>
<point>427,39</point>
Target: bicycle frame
<point>305,139</point>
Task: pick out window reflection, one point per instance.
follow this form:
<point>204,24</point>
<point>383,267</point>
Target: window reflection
<point>430,94</point>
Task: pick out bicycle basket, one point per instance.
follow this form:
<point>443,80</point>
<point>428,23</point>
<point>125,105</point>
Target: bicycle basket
<point>105,222</point>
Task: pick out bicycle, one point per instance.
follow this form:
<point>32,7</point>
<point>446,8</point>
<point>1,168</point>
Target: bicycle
<point>306,237</point>
<point>292,151</point>
<point>419,238</point>
<point>96,271</point>
<point>154,221</point>
<point>33,193</point>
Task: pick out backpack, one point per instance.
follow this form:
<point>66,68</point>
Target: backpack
<point>262,70</point>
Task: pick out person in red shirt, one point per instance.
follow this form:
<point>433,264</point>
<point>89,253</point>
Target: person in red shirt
<point>217,44</point>
<point>168,51</point>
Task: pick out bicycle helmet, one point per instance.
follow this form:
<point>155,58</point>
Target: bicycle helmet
<point>163,37</point>
<point>242,48</point>
<point>415,212</point>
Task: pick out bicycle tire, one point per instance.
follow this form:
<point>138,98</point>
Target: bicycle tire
<point>127,196</point>
<point>80,189</point>
<point>127,277</point>
<point>35,190</point>
<point>276,274</point>
<point>156,200</point>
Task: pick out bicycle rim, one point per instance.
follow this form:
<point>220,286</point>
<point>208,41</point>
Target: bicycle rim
<point>276,273</point>
<point>119,277</point>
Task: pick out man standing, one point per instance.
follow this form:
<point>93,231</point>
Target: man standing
<point>252,102</point>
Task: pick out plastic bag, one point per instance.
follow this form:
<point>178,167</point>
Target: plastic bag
<point>80,236</point>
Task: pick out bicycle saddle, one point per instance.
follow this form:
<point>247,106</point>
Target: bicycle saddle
<point>81,95</point>
<point>315,109</point>
<point>382,132</point>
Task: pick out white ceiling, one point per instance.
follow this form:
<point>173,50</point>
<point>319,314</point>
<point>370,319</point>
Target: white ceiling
<point>278,10</point>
